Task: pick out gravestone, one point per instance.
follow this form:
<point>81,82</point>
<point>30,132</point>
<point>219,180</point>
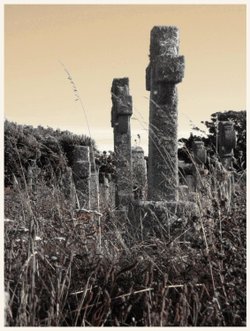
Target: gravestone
<point>226,143</point>
<point>139,172</point>
<point>165,71</point>
<point>200,153</point>
<point>163,214</point>
<point>120,121</point>
<point>94,188</point>
<point>187,177</point>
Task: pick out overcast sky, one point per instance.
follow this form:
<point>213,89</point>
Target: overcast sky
<point>100,42</point>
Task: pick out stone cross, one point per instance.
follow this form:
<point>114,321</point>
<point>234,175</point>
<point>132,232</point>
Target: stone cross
<point>226,143</point>
<point>165,70</point>
<point>81,167</point>
<point>120,121</point>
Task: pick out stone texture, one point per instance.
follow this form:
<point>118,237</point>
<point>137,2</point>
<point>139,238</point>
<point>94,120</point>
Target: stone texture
<point>139,171</point>
<point>104,193</point>
<point>94,190</point>
<point>67,185</point>
<point>120,121</point>
<point>107,194</point>
<point>165,70</point>
<point>226,143</point>
<point>81,167</point>
<point>200,153</point>
<point>185,169</point>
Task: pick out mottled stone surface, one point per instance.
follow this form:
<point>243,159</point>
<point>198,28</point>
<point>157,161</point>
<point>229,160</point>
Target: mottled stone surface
<point>185,170</point>
<point>68,187</point>
<point>139,173</point>
<point>94,190</point>
<point>191,181</point>
<point>107,194</point>
<point>184,192</point>
<point>120,121</point>
<point>200,153</point>
<point>226,143</point>
<point>81,168</point>
<point>165,70</point>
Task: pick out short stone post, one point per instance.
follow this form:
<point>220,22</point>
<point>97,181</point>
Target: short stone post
<point>67,185</point>
<point>120,120</point>
<point>94,189</point>
<point>200,153</point>
<point>226,143</point>
<point>200,158</point>
<point>187,175</point>
<point>105,193</point>
<point>165,70</point>
<point>139,171</point>
<point>81,168</point>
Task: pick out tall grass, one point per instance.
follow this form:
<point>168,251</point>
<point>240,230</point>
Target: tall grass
<point>191,273</point>
<point>56,276</point>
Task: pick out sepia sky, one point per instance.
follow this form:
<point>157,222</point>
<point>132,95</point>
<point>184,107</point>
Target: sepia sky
<point>100,42</point>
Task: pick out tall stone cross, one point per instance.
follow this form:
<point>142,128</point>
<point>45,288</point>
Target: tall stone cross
<point>120,121</point>
<point>165,70</point>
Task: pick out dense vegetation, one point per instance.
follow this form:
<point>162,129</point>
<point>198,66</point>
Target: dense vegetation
<point>239,120</point>
<point>64,267</point>
<point>49,149</point>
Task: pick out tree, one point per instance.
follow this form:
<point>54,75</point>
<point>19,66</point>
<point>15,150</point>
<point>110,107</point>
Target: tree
<point>239,120</point>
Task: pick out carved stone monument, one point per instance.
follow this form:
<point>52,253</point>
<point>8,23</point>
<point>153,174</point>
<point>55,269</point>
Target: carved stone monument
<point>120,121</point>
<point>226,143</point>
<point>139,173</point>
<point>200,153</point>
<point>163,213</point>
<point>165,70</point>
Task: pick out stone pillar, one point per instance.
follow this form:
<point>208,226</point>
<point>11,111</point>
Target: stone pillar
<point>200,158</point>
<point>120,121</point>
<point>226,143</point>
<point>165,70</point>
<point>81,168</point>
<point>200,153</point>
<point>67,185</point>
<point>94,189</point>
<point>105,201</point>
<point>187,175</point>
<point>139,173</point>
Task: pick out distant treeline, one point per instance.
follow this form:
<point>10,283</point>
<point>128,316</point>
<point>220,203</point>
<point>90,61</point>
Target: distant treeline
<point>49,149</point>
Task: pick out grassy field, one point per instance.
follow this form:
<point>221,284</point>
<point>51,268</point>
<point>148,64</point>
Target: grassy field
<point>63,268</point>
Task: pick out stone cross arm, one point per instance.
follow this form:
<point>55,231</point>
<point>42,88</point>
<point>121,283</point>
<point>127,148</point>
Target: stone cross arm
<point>165,66</point>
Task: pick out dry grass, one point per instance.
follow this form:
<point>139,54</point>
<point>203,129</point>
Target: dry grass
<point>56,276</point>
